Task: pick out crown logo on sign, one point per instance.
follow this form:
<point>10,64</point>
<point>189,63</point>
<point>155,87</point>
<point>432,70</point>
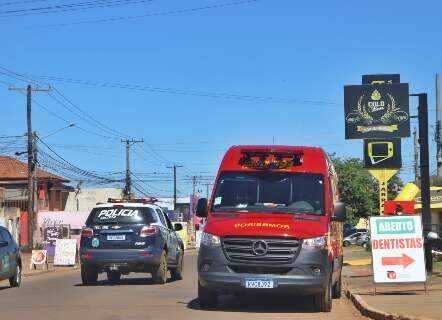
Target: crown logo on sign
<point>376,95</point>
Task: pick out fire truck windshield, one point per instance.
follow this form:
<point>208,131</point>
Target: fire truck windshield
<point>269,191</point>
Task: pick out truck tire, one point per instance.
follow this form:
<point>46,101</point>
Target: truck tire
<point>113,276</point>
<point>323,301</point>
<point>89,275</point>
<point>337,288</point>
<point>206,297</point>
<point>346,243</point>
<point>15,280</point>
<point>177,273</point>
<point>159,275</point>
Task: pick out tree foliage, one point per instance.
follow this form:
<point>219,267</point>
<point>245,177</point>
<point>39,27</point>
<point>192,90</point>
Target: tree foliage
<point>359,190</point>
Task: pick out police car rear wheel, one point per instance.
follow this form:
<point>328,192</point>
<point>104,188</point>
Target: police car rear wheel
<point>15,280</point>
<point>159,276</point>
<point>177,273</point>
<point>113,276</point>
<point>89,275</point>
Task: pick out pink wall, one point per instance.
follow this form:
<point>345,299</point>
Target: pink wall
<point>75,219</point>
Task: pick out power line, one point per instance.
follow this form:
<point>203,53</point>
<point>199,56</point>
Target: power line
<point>157,14</point>
<point>19,77</point>
<point>13,3</point>
<point>84,118</point>
<point>101,124</point>
<point>65,164</point>
<point>70,7</point>
<point>173,91</point>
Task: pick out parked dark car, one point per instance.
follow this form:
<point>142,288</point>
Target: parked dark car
<point>130,236</point>
<point>10,259</point>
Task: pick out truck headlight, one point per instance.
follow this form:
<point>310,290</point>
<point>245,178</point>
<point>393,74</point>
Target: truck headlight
<point>315,243</point>
<point>210,240</point>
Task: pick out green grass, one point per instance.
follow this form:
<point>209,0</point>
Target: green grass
<point>437,266</point>
<point>354,248</point>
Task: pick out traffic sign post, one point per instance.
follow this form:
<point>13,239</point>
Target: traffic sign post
<point>383,175</point>
<point>397,249</point>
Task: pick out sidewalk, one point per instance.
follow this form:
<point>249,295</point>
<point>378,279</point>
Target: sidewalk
<point>27,272</point>
<point>392,301</point>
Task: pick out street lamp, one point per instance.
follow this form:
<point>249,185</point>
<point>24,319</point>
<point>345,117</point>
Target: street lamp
<point>70,125</point>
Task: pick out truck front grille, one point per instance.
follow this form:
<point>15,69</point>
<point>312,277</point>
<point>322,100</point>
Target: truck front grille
<point>278,250</point>
<point>260,269</point>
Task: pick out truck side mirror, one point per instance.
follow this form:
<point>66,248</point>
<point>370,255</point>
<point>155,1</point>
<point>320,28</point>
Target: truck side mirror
<point>201,208</point>
<point>340,212</point>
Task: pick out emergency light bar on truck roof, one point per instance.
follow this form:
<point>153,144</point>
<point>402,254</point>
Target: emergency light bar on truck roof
<point>136,200</point>
<point>269,159</point>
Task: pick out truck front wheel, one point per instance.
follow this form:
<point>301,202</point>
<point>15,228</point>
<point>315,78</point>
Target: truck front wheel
<point>206,297</point>
<point>323,301</point>
<point>337,288</point>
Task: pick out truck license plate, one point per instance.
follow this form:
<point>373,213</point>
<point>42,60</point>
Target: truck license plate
<point>117,237</point>
<point>259,283</point>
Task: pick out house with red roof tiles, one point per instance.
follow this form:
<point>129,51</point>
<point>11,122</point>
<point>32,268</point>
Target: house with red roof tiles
<point>51,192</point>
<point>51,195</point>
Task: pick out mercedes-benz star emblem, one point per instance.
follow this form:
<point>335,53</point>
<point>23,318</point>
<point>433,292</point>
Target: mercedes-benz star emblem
<point>259,248</point>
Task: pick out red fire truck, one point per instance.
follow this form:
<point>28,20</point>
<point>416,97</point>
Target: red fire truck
<point>274,223</point>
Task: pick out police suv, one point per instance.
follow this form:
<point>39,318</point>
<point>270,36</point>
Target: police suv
<point>123,236</point>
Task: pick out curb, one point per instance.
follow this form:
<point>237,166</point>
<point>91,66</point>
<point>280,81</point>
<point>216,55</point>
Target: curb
<point>369,311</point>
<point>41,272</point>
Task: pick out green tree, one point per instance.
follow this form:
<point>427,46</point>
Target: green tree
<point>359,190</point>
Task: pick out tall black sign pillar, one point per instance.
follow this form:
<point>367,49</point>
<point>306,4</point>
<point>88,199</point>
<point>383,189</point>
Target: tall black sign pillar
<point>425,174</point>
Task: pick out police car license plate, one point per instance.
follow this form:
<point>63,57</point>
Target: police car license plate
<point>117,237</point>
<point>259,283</point>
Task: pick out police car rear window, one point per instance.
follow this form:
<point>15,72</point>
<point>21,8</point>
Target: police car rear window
<point>121,215</point>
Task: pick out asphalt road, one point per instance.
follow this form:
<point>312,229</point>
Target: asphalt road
<point>61,296</point>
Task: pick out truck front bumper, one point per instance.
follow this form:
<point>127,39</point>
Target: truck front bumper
<point>308,274</point>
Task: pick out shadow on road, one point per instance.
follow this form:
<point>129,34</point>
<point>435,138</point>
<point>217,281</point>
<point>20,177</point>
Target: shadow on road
<point>259,304</point>
<point>5,287</point>
<point>125,282</point>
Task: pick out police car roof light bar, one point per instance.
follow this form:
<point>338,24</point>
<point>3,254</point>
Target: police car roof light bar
<point>136,200</point>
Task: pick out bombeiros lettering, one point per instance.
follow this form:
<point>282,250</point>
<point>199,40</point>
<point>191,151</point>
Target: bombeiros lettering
<point>262,225</point>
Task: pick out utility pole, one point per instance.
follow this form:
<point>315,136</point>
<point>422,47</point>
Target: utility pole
<point>207,189</point>
<point>31,159</point>
<point>416,155</point>
<point>193,185</point>
<point>425,175</point>
<point>174,183</point>
<point>438,128</point>
<point>128,187</point>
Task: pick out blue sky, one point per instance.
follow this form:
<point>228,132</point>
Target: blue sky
<point>294,52</point>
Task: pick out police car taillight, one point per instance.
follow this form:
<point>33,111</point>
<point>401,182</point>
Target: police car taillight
<point>148,231</point>
<point>87,232</point>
